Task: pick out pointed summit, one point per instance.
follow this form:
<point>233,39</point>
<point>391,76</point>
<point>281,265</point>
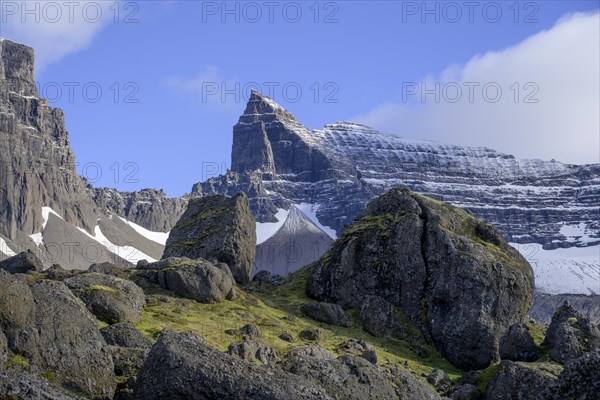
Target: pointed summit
<point>259,105</point>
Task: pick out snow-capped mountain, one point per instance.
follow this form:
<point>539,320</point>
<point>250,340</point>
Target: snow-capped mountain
<point>298,242</point>
<point>279,162</point>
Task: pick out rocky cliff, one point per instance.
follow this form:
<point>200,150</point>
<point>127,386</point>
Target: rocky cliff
<point>278,161</point>
<point>37,165</point>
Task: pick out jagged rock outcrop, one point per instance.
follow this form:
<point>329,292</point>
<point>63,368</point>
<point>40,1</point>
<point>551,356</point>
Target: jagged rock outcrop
<point>570,335</point>
<point>217,228</point>
<point>452,275</point>
<point>182,366</point>
<point>297,243</point>
<point>198,280</point>
<point>22,385</point>
<point>149,208</point>
<point>110,299</point>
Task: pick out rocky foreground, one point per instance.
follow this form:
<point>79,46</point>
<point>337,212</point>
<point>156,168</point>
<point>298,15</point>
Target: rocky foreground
<point>415,300</point>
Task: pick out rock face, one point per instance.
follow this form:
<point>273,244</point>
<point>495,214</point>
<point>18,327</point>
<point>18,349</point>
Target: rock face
<point>23,385</point>
<point>297,243</point>
<point>518,345</point>
<point>452,275</point>
<point>277,161</point>
<point>198,280</point>
<point>326,312</point>
<point>182,366</point>
<point>217,228</point>
<point>149,208</point>
<point>378,317</point>
<point>110,299</point>
<point>570,335</point>
<point>54,331</point>
<point>36,162</point>
<point>518,381</point>
<point>22,263</point>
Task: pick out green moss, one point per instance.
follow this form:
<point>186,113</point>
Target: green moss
<point>485,377</point>
<point>101,287</point>
<point>18,360</point>
<point>537,331</point>
<point>51,377</point>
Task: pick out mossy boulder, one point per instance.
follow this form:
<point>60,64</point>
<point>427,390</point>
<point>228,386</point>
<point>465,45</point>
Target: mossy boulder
<point>219,229</point>
<point>454,276</point>
<point>110,299</point>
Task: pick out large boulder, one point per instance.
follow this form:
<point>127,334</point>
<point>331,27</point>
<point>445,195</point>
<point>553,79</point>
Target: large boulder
<point>182,366</point>
<point>53,330</point>
<point>198,280</point>
<point>110,299</point>
<point>328,313</point>
<point>570,335</point>
<point>453,275</point>
<point>22,263</point>
<point>125,335</point>
<point>217,228</point>
<point>518,345</point>
<point>580,379</point>
<point>516,380</point>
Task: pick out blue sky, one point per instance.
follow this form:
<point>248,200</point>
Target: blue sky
<point>160,124</point>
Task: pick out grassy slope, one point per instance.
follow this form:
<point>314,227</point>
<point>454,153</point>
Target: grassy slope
<point>275,310</point>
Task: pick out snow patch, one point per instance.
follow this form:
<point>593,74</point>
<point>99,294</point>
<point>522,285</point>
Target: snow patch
<point>574,270</point>
<point>265,230</point>
<point>38,238</point>
<point>157,237</point>
<point>4,249</point>
<point>128,253</point>
<point>310,210</point>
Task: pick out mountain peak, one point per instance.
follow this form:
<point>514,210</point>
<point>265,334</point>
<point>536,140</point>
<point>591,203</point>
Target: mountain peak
<point>259,104</point>
<point>16,68</point>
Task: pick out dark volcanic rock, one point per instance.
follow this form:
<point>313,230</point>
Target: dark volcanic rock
<point>378,317</point>
<point>466,392</point>
<point>54,331</point>
<point>312,334</point>
<point>26,386</point>
<point>518,345</point>
<point>515,380</point>
<point>182,366</point>
<point>329,313</point>
<point>22,263</point>
<point>570,335</point>
<point>427,258</point>
<point>408,386</point>
<point>110,299</point>
<point>198,280</point>
<point>439,379</point>
<point>346,378</point>
<point>217,228</point>
<point>580,379</point>
<point>125,335</point>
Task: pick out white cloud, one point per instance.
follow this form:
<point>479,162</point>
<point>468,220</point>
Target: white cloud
<point>561,64</point>
<point>54,28</point>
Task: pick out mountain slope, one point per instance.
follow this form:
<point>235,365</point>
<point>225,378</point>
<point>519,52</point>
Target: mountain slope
<point>298,242</point>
